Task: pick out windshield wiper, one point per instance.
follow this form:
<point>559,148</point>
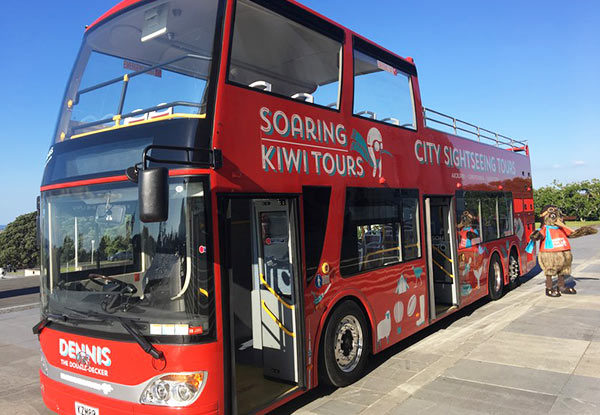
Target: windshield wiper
<point>61,318</point>
<point>128,324</point>
<point>139,338</point>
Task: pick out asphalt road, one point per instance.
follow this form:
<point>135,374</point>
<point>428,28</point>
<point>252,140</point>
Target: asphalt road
<point>523,354</point>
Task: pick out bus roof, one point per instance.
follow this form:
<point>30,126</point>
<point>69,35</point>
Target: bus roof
<point>114,10</point>
<point>124,4</point>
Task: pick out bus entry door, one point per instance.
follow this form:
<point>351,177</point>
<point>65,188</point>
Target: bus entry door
<point>262,259</point>
<point>274,327</point>
<point>440,227</point>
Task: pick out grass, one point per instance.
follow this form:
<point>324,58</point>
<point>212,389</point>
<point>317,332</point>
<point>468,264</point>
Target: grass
<point>574,224</point>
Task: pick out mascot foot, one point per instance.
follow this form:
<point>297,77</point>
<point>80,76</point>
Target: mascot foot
<point>552,292</point>
<point>569,290</point>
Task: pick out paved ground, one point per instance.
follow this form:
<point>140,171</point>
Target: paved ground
<point>524,354</point>
<point>17,284</point>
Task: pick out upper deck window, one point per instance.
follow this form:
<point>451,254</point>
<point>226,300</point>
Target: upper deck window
<point>149,63</point>
<point>273,53</point>
<point>382,90</point>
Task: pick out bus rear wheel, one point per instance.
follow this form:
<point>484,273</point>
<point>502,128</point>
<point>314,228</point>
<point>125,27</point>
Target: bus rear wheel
<point>514,271</point>
<point>495,278</point>
<point>345,346</point>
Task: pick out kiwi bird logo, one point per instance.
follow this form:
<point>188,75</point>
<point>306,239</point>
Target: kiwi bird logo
<point>370,149</point>
<point>375,145</point>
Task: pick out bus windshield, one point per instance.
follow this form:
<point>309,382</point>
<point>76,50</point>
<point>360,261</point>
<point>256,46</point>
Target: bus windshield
<point>99,257</point>
<point>147,64</point>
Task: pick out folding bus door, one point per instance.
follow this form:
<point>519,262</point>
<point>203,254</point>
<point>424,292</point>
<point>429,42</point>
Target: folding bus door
<point>262,241</point>
<point>441,254</point>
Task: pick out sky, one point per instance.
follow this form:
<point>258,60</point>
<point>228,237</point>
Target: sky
<point>526,69</point>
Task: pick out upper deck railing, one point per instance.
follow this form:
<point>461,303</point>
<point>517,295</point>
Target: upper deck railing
<point>468,130</point>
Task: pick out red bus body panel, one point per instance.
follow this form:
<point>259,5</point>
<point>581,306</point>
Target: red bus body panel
<point>422,159</point>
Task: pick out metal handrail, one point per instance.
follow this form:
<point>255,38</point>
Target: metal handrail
<point>439,251</point>
<point>442,268</point>
<point>131,114</point>
<point>130,75</point>
<point>459,126</point>
<point>263,281</point>
<point>276,320</point>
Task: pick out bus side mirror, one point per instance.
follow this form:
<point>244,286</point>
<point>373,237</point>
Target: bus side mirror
<point>153,188</point>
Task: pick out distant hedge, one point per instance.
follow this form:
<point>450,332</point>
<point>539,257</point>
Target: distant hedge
<point>578,199</point>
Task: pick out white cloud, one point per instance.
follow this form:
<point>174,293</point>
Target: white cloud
<point>579,163</point>
<point>556,166</point>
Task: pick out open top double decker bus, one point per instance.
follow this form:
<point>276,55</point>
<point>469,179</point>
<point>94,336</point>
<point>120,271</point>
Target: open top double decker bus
<point>244,199</point>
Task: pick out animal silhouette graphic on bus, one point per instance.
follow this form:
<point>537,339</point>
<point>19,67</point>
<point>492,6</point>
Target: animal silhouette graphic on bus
<point>370,149</point>
<point>418,274</point>
<point>384,328</point>
<point>478,273</point>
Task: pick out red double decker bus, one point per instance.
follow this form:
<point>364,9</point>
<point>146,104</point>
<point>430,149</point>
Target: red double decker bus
<point>244,199</point>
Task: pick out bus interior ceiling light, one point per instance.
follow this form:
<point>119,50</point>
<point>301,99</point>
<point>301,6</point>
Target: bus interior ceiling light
<point>155,22</point>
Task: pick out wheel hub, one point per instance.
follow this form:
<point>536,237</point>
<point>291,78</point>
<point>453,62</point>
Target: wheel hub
<point>348,343</point>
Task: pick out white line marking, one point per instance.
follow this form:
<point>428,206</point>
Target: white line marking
<point>18,306</point>
<point>304,145</point>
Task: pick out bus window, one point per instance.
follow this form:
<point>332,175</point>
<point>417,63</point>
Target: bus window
<point>411,247</point>
<point>505,214</point>
<point>468,214</point>
<point>489,216</point>
<point>374,232</point>
<point>275,54</point>
<point>382,92</point>
<point>490,212</point>
<point>120,71</point>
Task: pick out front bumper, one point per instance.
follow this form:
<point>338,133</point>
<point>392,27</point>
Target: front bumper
<point>61,399</point>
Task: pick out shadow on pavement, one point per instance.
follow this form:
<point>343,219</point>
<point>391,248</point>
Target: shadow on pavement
<point>382,357</point>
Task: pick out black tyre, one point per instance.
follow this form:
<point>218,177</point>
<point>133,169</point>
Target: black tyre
<point>495,278</point>
<point>345,346</point>
<point>514,271</point>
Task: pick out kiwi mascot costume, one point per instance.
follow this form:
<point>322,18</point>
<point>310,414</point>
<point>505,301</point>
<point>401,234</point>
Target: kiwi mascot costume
<point>555,255</point>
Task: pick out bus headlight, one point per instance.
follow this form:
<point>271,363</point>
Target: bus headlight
<point>176,389</point>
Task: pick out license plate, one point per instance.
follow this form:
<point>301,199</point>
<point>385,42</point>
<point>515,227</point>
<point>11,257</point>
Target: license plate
<point>81,409</point>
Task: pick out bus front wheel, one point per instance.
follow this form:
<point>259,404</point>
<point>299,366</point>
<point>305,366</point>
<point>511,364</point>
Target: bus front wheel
<point>495,278</point>
<point>345,346</point>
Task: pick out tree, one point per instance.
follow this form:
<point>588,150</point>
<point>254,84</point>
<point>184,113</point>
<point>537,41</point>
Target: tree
<point>579,199</point>
<point>547,195</point>
<point>18,242</point>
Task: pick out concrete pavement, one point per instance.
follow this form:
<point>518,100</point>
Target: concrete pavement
<point>524,354</point>
<point>15,291</point>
